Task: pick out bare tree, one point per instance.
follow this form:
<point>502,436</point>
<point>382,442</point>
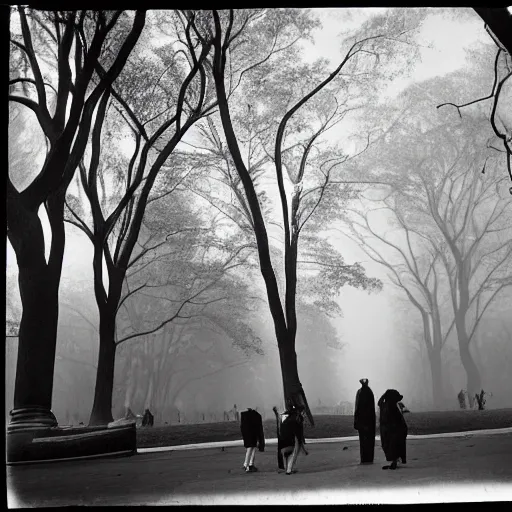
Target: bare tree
<point>475,224</point>
<point>64,111</point>
<point>498,23</point>
<point>411,263</point>
<point>375,38</point>
<point>449,190</point>
<point>180,87</point>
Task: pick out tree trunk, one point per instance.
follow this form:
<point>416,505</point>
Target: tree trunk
<point>149,393</point>
<point>293,391</point>
<point>102,406</point>
<point>36,348</point>
<point>436,371</point>
<point>474,382</point>
<point>477,355</point>
<point>130,385</point>
<point>436,365</point>
<point>39,291</point>
<point>292,387</point>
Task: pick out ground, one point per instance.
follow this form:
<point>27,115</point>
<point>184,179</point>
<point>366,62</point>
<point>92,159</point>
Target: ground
<point>470,468</point>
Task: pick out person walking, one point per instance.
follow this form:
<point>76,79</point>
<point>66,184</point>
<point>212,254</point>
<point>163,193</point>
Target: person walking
<point>393,428</point>
<point>251,426</point>
<point>290,438</point>
<point>364,421</point>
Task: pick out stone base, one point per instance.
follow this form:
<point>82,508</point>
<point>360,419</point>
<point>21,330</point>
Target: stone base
<point>32,444</point>
<point>31,417</point>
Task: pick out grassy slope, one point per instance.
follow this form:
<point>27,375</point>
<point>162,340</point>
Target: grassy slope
<point>325,426</point>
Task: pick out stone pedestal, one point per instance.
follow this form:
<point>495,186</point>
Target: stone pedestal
<point>33,444</point>
<point>31,417</point>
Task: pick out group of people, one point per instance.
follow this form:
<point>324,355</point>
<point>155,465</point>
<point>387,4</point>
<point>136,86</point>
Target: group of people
<point>393,427</point>
<point>290,431</point>
<point>290,437</point>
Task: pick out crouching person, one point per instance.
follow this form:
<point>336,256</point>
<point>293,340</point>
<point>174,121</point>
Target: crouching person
<point>290,438</point>
<point>251,426</point>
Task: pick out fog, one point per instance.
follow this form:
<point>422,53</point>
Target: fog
<point>378,335</point>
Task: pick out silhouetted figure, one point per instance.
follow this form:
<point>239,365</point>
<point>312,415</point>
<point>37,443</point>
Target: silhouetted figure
<point>290,438</point>
<point>393,428</point>
<point>236,413</point>
<point>480,399</point>
<point>364,421</point>
<point>147,419</point>
<point>251,426</point>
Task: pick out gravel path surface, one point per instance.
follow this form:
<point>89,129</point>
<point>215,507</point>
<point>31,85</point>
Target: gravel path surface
<point>469,468</point>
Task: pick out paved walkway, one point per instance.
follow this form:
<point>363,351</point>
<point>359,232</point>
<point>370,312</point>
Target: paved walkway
<point>462,467</point>
<point>273,441</point>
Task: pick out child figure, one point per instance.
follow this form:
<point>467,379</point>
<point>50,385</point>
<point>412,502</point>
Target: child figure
<point>251,426</point>
<point>290,438</point>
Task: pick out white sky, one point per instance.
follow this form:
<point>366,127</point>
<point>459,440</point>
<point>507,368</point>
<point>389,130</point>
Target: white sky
<point>449,40</point>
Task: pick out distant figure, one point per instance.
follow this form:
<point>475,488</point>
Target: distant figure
<point>462,399</point>
<point>290,438</point>
<point>129,414</point>
<point>251,426</point>
<point>236,413</point>
<point>147,419</point>
<point>393,428</point>
<point>364,421</point>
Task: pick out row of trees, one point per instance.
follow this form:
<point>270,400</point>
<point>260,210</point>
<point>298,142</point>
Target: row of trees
<point>85,74</point>
<point>442,225</point>
<point>213,112</point>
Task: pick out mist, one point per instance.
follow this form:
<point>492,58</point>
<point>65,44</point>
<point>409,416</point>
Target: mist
<point>380,337</point>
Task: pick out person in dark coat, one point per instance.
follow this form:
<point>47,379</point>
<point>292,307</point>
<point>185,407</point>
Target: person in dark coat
<point>290,438</point>
<point>251,426</point>
<point>147,419</point>
<point>393,428</point>
<point>364,421</point>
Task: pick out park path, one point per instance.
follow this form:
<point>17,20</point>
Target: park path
<point>442,469</point>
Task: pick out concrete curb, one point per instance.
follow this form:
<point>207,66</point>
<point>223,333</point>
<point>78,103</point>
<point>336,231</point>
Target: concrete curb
<point>123,453</point>
<point>273,441</point>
